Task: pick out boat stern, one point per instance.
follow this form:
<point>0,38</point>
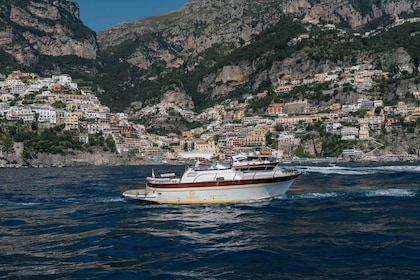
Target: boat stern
<point>140,194</point>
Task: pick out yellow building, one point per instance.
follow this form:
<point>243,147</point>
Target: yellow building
<point>256,137</point>
<point>187,134</point>
<point>72,120</point>
<point>205,146</point>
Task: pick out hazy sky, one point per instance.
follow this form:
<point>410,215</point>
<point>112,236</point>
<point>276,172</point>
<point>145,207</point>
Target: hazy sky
<point>98,15</point>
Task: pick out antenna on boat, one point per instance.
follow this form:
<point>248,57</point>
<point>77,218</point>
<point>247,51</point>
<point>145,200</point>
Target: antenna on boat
<point>153,173</point>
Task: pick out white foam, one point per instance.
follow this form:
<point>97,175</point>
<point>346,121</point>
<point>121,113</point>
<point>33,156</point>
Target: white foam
<point>361,170</point>
<point>25,204</point>
<point>398,168</point>
<point>340,170</point>
<point>108,200</point>
<point>368,193</point>
<point>391,193</point>
<point>317,195</point>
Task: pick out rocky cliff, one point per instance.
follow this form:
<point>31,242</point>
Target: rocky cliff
<point>206,50</point>
<point>197,26</point>
<point>202,33</point>
<point>201,24</point>
<point>354,13</point>
<point>30,29</point>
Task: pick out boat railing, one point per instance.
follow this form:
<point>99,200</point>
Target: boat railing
<point>207,176</point>
<point>218,176</point>
<point>275,173</point>
<point>167,180</point>
<point>252,168</point>
<point>239,175</point>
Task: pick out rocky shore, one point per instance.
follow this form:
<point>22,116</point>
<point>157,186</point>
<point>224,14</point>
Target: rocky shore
<point>110,159</point>
<point>73,159</point>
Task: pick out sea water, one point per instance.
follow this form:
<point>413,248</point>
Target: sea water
<point>336,222</point>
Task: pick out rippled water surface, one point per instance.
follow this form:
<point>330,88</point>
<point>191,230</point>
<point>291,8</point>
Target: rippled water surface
<point>337,222</point>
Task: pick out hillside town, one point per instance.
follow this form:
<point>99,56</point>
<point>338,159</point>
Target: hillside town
<point>228,128</point>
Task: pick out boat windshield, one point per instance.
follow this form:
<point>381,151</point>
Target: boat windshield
<point>207,165</point>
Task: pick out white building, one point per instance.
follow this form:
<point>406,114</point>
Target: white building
<point>46,114</point>
<point>18,89</point>
<point>352,153</point>
<point>64,80</point>
<point>349,133</point>
<point>288,139</point>
<point>331,127</point>
<point>6,97</point>
<point>20,113</point>
<point>93,128</point>
<point>4,107</point>
<point>378,103</point>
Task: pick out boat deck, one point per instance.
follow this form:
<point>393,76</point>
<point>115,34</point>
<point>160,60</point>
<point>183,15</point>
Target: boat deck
<point>140,194</point>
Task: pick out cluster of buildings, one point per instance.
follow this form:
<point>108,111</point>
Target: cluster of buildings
<point>49,101</point>
<point>54,101</point>
<point>230,128</point>
<point>59,101</point>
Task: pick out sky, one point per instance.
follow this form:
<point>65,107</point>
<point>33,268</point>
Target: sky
<point>98,15</point>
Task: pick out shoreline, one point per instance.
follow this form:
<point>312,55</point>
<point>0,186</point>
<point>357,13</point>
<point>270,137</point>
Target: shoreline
<point>57,161</point>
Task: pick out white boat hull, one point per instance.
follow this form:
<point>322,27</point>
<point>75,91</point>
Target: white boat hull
<point>204,183</point>
<point>211,194</point>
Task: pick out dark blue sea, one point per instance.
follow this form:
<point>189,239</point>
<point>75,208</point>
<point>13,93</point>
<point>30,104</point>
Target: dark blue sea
<point>336,222</point>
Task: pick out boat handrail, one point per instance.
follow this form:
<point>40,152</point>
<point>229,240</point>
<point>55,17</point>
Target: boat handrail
<point>274,173</point>
<point>207,174</point>
<point>167,175</point>
<point>217,175</point>
<point>253,174</point>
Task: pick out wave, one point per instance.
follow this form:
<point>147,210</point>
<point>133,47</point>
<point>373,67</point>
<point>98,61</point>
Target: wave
<point>67,201</point>
<point>398,168</point>
<point>340,170</point>
<point>392,193</point>
<point>317,195</point>
<point>107,200</point>
<point>20,204</point>
<point>360,170</point>
<point>364,193</point>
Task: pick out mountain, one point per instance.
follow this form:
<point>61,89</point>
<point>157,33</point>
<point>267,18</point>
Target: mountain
<point>44,35</point>
<point>200,24</point>
<point>211,50</point>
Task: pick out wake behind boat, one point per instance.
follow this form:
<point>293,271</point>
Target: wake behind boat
<point>214,183</point>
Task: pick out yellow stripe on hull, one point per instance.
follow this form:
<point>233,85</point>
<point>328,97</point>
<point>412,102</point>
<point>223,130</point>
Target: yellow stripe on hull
<point>212,201</point>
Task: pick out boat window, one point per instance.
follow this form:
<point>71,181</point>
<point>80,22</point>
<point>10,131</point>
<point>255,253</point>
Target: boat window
<point>192,174</point>
<point>220,178</point>
<point>167,175</point>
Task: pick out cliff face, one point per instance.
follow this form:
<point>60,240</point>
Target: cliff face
<point>202,32</point>
<point>191,49</point>
<point>30,29</point>
<point>187,32</point>
<point>354,13</point>
<point>200,24</point>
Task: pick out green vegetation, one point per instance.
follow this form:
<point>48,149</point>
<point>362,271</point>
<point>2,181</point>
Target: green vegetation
<point>53,140</point>
<point>300,152</point>
<point>259,105</point>
<point>8,64</point>
<point>59,105</point>
<point>271,45</point>
<point>331,144</point>
<point>119,83</point>
<point>406,36</point>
